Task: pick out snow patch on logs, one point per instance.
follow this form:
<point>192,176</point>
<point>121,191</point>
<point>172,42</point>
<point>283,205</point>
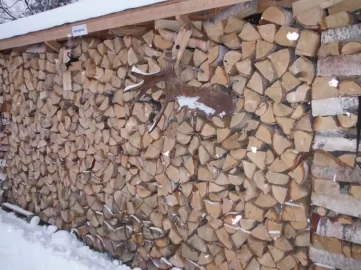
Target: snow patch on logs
<point>192,103</point>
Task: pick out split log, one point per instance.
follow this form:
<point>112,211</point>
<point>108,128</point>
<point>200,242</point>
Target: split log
<point>308,43</point>
<point>214,26</point>
<point>351,48</point>
<point>192,43</point>
<point>304,5</point>
<point>351,5</point>
<point>312,18</point>
<point>338,20</point>
<point>277,15</point>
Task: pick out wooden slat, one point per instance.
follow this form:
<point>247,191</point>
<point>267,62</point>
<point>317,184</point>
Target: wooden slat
<point>333,260</point>
<point>339,203</point>
<point>123,18</point>
<point>337,174</point>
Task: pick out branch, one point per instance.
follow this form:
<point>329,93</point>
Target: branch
<point>5,9</point>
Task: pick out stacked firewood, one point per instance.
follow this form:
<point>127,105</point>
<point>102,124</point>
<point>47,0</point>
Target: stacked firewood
<point>221,192</point>
<point>4,142</point>
<point>336,193</point>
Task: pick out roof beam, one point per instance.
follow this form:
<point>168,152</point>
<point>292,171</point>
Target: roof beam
<point>123,18</point>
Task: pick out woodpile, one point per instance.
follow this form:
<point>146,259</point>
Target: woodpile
<point>5,107</point>
<point>167,177</point>
<point>336,175</point>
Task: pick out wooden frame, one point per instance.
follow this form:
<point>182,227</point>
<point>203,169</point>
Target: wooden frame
<point>123,18</point>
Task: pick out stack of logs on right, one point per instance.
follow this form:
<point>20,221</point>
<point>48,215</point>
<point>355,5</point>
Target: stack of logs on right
<point>336,173</point>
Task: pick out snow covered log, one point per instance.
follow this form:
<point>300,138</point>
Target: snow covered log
<point>340,65</point>
<point>337,174</point>
<point>339,203</point>
<point>334,106</point>
<point>338,261</point>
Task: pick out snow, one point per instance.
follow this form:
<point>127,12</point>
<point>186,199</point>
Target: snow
<point>192,103</point>
<point>78,11</point>
<point>44,248</point>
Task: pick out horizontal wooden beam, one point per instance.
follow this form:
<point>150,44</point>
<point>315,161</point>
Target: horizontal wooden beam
<point>123,18</point>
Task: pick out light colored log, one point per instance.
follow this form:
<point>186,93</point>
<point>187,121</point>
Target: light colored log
<point>337,174</point>
<point>350,233</point>
<point>333,260</point>
<point>331,144</point>
<point>339,203</point>
<point>347,33</point>
<point>334,106</point>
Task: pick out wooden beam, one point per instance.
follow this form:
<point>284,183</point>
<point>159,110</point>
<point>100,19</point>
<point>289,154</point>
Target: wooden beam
<point>123,18</point>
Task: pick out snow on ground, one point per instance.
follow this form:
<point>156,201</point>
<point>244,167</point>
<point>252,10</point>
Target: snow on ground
<point>34,247</point>
<point>77,11</point>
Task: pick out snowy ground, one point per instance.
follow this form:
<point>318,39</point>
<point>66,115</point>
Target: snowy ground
<point>33,247</point>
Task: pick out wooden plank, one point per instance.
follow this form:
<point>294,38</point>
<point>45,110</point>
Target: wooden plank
<point>347,33</point>
<point>304,5</point>
<point>340,65</point>
<point>337,174</point>
<point>339,203</point>
<point>345,5</point>
<point>123,18</point>
<point>334,106</point>
<point>333,260</point>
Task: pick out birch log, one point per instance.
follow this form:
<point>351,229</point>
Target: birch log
<point>341,65</point>
<point>331,144</point>
<point>337,174</point>
<point>333,260</point>
<point>347,33</point>
<point>351,233</point>
<point>339,203</point>
<point>334,106</point>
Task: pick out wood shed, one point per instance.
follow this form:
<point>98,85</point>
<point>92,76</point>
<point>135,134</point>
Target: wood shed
<point>191,134</point>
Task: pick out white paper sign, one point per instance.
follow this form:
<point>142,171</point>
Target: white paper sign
<point>79,30</point>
